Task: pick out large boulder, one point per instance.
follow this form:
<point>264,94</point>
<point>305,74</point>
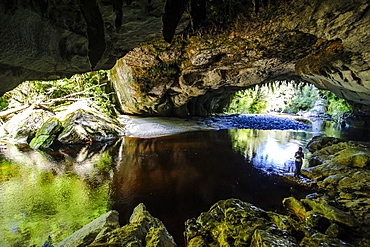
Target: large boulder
<point>23,126</point>
<point>87,234</point>
<point>84,126</point>
<point>142,230</point>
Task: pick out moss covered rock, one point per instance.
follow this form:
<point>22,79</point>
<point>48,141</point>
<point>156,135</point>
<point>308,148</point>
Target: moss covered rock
<point>24,126</point>
<point>343,178</point>
<point>47,134</point>
<point>85,126</point>
<point>143,230</point>
<point>235,223</point>
<point>331,212</point>
<point>87,234</point>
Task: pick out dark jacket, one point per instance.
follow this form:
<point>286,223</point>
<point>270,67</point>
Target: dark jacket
<point>298,156</point>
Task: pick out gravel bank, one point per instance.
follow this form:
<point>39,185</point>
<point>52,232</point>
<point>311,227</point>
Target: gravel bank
<point>258,121</point>
<point>151,127</point>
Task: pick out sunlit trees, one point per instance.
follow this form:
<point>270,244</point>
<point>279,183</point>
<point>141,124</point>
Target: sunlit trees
<point>94,86</point>
<point>288,97</point>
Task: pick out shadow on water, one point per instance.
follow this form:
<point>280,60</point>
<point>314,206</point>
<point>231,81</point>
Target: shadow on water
<point>178,177</point>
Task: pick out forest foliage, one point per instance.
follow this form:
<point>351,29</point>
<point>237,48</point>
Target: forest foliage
<point>287,97</point>
<point>281,96</point>
<point>93,85</point>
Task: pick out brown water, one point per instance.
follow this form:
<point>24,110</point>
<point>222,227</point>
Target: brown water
<point>177,177</point>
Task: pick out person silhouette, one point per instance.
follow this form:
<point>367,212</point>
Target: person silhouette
<point>299,156</point>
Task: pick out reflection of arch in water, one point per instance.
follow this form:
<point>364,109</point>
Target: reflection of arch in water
<point>177,177</point>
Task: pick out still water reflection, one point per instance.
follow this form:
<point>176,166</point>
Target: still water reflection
<point>270,151</point>
<point>50,194</point>
<point>177,177</point>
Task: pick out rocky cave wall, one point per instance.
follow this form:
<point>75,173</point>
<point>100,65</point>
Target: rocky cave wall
<point>325,43</point>
<point>322,42</point>
<point>42,40</point>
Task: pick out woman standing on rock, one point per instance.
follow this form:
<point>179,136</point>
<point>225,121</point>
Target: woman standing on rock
<point>299,156</point>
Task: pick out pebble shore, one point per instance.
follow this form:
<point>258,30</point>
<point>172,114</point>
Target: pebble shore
<point>151,127</point>
<point>258,121</point>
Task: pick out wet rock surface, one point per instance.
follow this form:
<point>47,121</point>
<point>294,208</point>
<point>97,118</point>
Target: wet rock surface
<point>342,174</point>
<point>235,223</point>
<point>142,230</point>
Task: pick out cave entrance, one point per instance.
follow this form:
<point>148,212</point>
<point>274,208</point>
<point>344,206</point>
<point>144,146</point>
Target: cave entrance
<point>287,97</point>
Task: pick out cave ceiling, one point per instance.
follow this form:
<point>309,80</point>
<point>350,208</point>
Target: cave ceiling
<point>325,43</point>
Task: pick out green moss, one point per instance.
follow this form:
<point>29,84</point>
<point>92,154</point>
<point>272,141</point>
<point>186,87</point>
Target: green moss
<point>42,141</point>
<point>149,77</point>
<point>47,134</point>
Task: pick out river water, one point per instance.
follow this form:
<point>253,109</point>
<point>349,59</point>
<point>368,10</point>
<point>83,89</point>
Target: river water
<point>51,194</point>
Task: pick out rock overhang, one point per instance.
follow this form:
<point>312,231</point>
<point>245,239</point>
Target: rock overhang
<point>325,43</point>
<point>50,40</point>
